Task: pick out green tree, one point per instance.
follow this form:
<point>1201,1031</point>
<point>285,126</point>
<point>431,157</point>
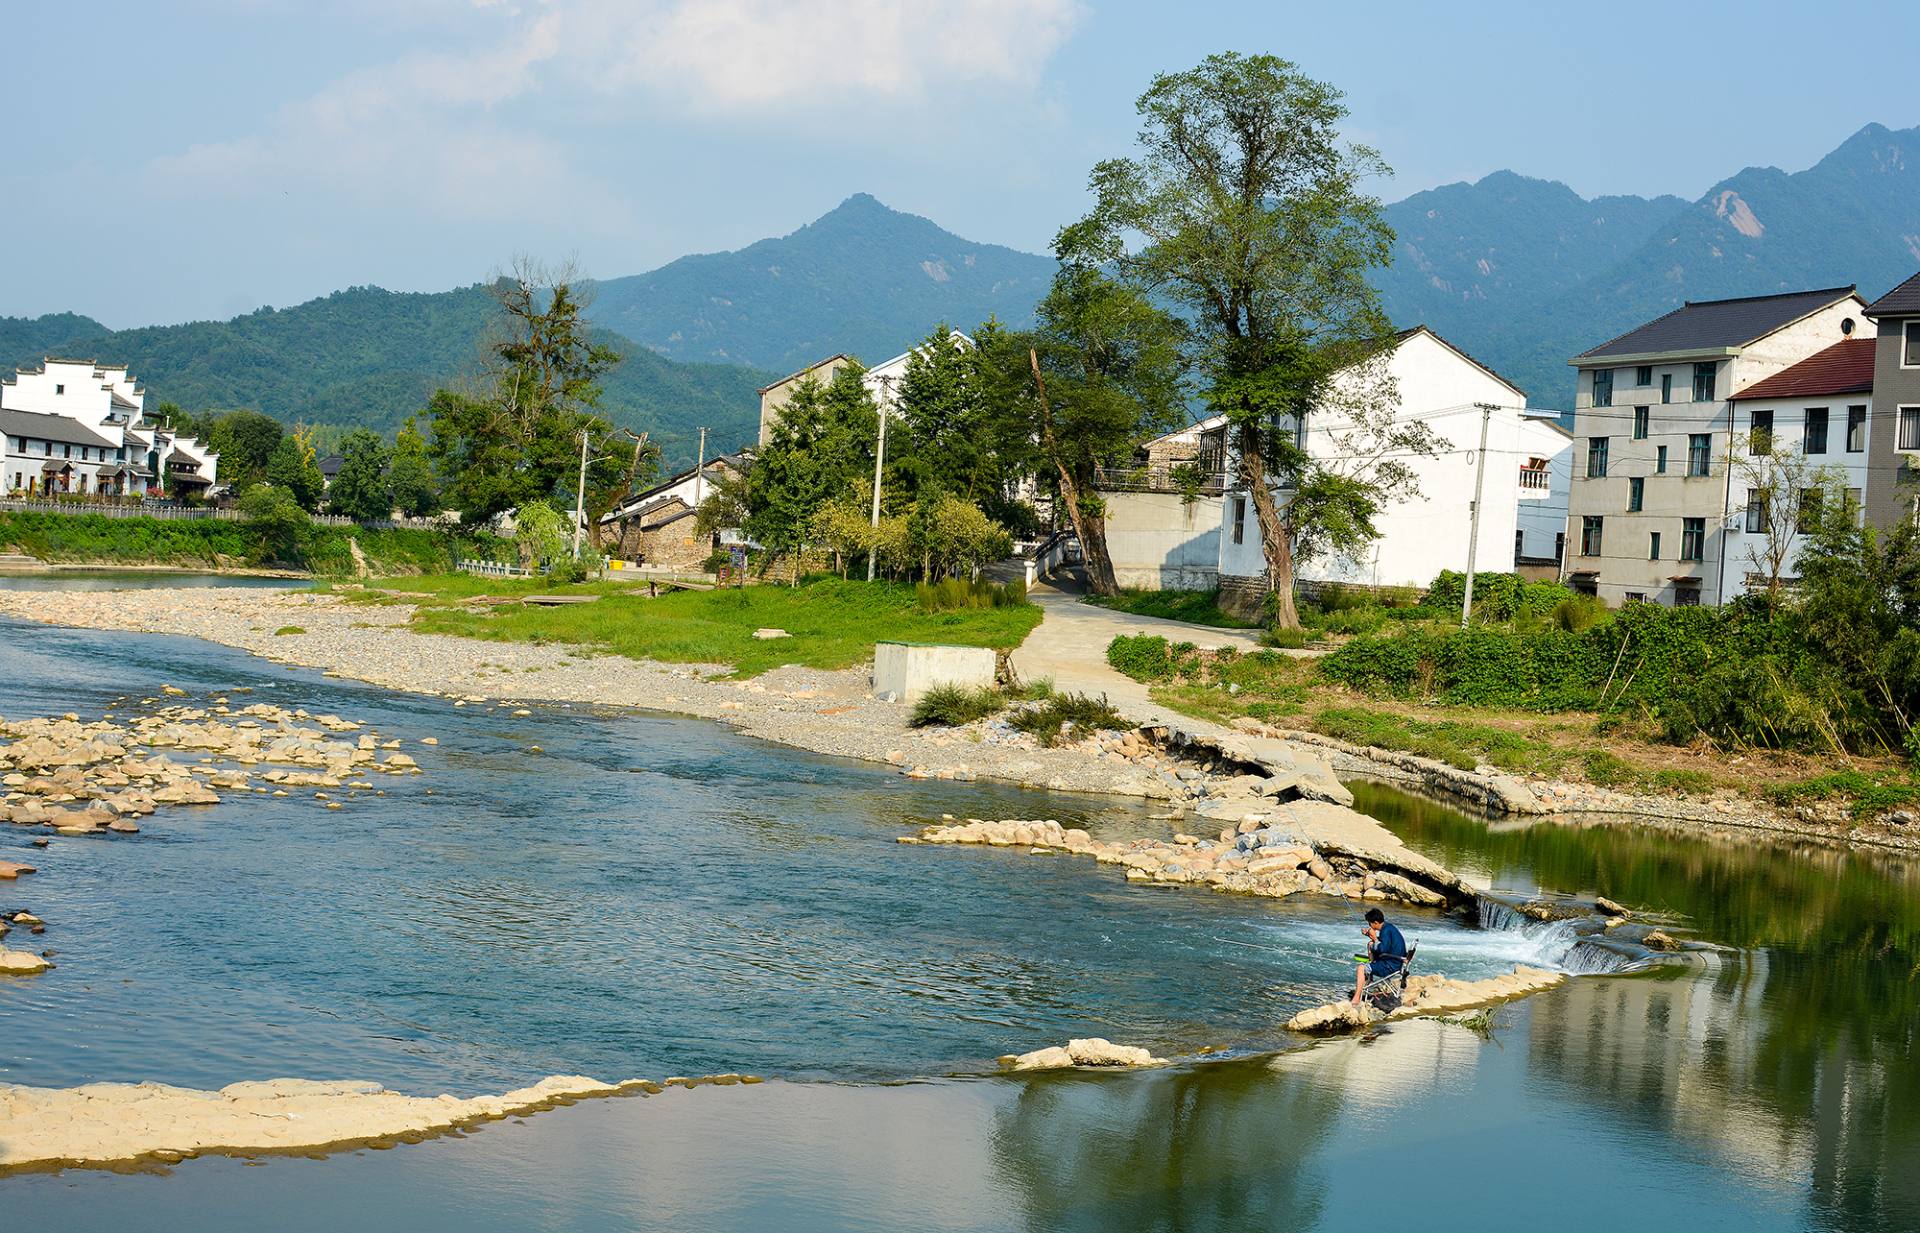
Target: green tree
<point>410,474</point>
<point>1246,209</point>
<point>1100,373</point>
<point>292,467</point>
<point>820,449</point>
<point>520,441</point>
<point>360,488</point>
<point>949,437</point>
<point>540,533</point>
<point>245,441</point>
<point>1859,605</point>
<point>283,526</point>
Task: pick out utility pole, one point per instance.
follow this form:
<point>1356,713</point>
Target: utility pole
<point>879,461</point>
<point>580,496</point>
<point>700,469</point>
<point>1473,536</point>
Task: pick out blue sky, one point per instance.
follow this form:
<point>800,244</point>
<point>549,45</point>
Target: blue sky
<point>201,158</point>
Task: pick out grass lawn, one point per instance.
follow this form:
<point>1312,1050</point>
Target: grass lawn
<point>833,623</point>
<point>1193,607</point>
<point>1288,692</point>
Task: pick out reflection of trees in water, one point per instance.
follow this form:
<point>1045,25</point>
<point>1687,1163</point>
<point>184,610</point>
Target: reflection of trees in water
<point>1796,1059</point>
<point>1220,1146</point>
<point>1223,1146</point>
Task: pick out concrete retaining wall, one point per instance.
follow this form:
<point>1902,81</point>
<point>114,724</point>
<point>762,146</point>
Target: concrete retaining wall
<point>903,671</point>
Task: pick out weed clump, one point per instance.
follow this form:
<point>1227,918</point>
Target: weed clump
<point>1052,719</point>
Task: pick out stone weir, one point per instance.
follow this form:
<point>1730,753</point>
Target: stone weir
<point>1284,848</point>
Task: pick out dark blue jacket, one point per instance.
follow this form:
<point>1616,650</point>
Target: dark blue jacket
<point>1389,952</point>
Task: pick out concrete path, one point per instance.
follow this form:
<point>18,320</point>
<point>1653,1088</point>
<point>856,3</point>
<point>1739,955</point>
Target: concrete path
<point>1070,646</point>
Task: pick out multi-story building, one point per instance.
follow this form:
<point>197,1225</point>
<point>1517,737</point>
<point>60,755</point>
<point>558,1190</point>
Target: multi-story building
<point>1650,515</point>
<point>1893,493</point>
<point>883,382</point>
<point>75,426</point>
<point>1814,418</point>
<point>1429,530</point>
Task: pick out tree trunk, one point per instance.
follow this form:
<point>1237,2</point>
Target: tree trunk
<point>1091,528</point>
<point>1276,539</point>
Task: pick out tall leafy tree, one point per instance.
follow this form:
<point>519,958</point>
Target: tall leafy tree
<point>820,449</point>
<point>1246,209</point>
<point>1100,373</point>
<point>410,474</point>
<point>245,441</point>
<point>520,440</point>
<point>360,488</point>
<point>294,469</point>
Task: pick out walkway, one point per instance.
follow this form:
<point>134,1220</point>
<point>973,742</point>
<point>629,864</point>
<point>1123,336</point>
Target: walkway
<point>1070,647</point>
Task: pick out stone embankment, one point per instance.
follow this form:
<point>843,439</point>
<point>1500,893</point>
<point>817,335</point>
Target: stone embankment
<point>77,779</point>
<point>1427,996</point>
<point>109,1123</point>
<point>1286,848</point>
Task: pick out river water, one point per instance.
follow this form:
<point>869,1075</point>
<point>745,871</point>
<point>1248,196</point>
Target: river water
<point>646,896</point>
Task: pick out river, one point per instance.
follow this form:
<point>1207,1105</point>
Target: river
<point>651,895</point>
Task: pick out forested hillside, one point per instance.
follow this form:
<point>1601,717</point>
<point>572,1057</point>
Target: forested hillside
<point>365,356</point>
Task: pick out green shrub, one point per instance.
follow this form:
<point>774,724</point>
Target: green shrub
<point>1686,782</point>
<point>1288,639</point>
<point>1870,794</point>
<point>959,594</point>
<point>1049,720</point>
<point>1144,657</point>
<point>953,706</point>
<point>285,630</point>
<point>1607,770</point>
<point>1193,607</point>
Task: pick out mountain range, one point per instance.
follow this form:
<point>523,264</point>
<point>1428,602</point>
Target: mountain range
<point>861,278</point>
<point>1522,273</point>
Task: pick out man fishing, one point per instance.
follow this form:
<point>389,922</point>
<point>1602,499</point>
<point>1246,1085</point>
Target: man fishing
<point>1386,952</point>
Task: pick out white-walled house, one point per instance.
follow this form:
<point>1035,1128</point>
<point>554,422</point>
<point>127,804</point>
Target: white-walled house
<point>78,427</point>
<point>1821,409</point>
<point>1419,535</point>
<point>1546,478</point>
<point>883,382</point>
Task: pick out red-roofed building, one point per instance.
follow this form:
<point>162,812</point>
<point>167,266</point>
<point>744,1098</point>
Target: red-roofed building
<point>1818,410</point>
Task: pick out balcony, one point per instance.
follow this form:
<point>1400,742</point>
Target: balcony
<point>1536,483</point>
<point>1174,477</point>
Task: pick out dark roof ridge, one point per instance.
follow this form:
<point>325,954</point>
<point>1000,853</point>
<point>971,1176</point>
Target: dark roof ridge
<point>1835,292</point>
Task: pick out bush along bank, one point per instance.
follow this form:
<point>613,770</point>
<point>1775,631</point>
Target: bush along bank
<point>96,539</point>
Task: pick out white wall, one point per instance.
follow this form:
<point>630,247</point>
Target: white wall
<point>1422,534</point>
<point>1789,433</point>
<point>1160,542</point>
<point>1542,517</point>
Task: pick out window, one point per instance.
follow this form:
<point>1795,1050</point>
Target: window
<point>1596,457</point>
<point>1760,430</point>
<point>1686,596</point>
<point>1666,387</point>
<point>1636,597</point>
<point>1693,539</point>
<point>1603,387</point>
<point>67,451</point>
<point>1590,535</point>
<point>1815,439</point>
<point>1660,460</point>
<point>1239,520</point>
<point>1807,517</point>
<point>1756,512</point>
<point>1640,423</point>
<point>1910,354</point>
<point>1653,546</point>
<point>1636,494</point>
<point>59,389</point>
<point>1703,381</point>
<point>1908,438</point>
<point>1856,429</point>
<point>1699,452</point>
<point>1643,376</point>
<point>1519,544</point>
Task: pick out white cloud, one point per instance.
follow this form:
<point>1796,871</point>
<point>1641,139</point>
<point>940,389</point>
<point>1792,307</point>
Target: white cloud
<point>466,131</point>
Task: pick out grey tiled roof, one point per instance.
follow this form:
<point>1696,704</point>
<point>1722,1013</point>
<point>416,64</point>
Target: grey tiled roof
<point>1713,324</point>
<point>1902,301</point>
<point>51,428</point>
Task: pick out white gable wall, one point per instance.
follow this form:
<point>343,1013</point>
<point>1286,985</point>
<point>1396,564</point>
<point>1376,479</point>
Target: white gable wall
<point>1423,534</point>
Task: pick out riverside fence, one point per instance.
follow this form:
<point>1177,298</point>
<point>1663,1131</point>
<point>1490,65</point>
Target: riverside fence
<point>191,513</point>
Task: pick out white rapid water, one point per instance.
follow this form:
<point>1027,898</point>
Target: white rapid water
<point>1548,944</point>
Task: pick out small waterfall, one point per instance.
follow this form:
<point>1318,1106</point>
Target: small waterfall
<point>1553,943</point>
